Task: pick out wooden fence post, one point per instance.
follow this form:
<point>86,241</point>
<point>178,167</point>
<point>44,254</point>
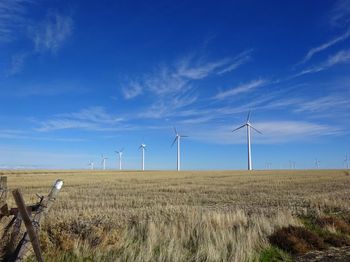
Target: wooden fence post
<point>3,190</point>
<point>28,223</point>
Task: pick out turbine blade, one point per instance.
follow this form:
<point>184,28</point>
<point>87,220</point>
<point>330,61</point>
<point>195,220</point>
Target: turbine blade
<point>175,130</point>
<point>174,141</point>
<point>256,129</point>
<point>248,117</point>
<point>183,136</point>
<point>238,128</point>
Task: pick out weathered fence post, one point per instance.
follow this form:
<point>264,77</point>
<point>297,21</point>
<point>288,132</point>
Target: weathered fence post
<point>42,208</point>
<point>28,223</point>
<point>3,190</point>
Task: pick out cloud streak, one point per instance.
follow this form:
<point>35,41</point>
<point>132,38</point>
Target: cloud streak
<point>340,13</point>
<point>239,60</point>
<point>243,88</point>
<point>326,45</point>
<point>92,118</point>
<point>274,132</point>
<point>341,57</point>
<point>12,18</point>
<point>52,33</point>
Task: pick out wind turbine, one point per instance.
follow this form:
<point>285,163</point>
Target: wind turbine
<point>103,162</point>
<point>317,163</point>
<point>249,126</point>
<point>91,165</point>
<point>177,138</point>
<point>120,153</point>
<point>268,165</point>
<point>143,147</point>
<point>347,161</point>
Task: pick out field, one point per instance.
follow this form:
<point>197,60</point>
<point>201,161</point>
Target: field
<point>178,216</point>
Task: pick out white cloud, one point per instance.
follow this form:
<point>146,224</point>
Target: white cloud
<point>17,62</point>
<point>92,118</point>
<point>273,132</point>
<point>341,57</point>
<point>177,78</point>
<point>12,18</point>
<point>243,88</point>
<point>168,107</point>
<point>49,89</point>
<point>239,60</point>
<point>326,45</point>
<point>340,13</point>
<point>52,33</point>
<point>330,102</point>
<point>195,71</point>
<point>133,89</point>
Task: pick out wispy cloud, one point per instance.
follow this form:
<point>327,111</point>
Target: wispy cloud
<point>171,88</point>
<point>243,88</point>
<point>326,45</point>
<point>14,134</point>
<point>197,70</point>
<point>273,132</point>
<point>52,33</point>
<point>341,57</point>
<point>132,89</point>
<point>340,13</point>
<point>92,118</point>
<point>49,89</point>
<point>168,107</point>
<point>17,62</point>
<point>178,77</point>
<point>239,60</point>
<point>329,102</point>
<point>12,18</point>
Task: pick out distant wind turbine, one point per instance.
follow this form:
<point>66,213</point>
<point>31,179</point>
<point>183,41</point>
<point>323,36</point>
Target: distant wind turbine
<point>103,162</point>
<point>317,163</point>
<point>143,147</point>
<point>268,165</point>
<point>347,161</point>
<point>91,165</point>
<point>177,138</point>
<point>249,126</point>
<point>120,153</point>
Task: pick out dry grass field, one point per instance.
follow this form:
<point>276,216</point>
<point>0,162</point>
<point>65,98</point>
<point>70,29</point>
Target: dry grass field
<point>177,216</point>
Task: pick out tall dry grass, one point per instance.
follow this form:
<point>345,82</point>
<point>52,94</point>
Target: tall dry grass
<point>171,216</point>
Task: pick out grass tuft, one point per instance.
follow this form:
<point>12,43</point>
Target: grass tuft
<point>274,254</point>
<point>297,240</point>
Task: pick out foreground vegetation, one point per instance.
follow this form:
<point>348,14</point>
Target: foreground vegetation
<point>187,216</point>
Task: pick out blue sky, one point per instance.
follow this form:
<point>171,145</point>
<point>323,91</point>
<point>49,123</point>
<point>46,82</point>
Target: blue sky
<point>82,78</point>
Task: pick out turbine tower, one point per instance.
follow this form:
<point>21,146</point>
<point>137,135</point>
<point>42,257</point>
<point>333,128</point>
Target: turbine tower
<point>177,138</point>
<point>143,147</point>
<point>120,153</point>
<point>91,165</point>
<point>249,126</point>
<point>103,162</point>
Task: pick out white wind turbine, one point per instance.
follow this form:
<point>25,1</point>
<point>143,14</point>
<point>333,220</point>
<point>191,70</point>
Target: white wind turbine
<point>91,165</point>
<point>317,163</point>
<point>177,138</point>
<point>103,162</point>
<point>143,147</point>
<point>249,126</point>
<point>120,153</point>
